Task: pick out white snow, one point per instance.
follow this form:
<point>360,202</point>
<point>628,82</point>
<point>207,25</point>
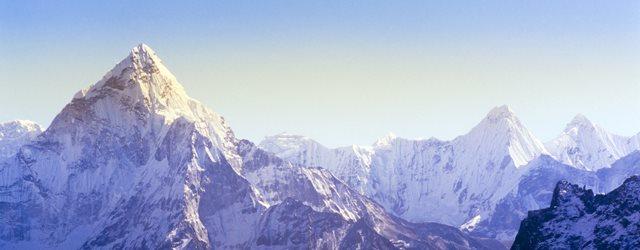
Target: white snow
<point>586,145</point>
<point>454,180</point>
<point>471,224</point>
<point>14,134</point>
<point>133,140</point>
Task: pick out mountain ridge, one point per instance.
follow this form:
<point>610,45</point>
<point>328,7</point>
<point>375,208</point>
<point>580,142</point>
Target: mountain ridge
<point>397,172</point>
<point>589,146</point>
<point>14,134</point>
<point>579,219</point>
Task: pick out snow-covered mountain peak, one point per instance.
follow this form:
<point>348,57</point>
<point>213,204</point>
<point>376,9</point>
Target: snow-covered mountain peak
<point>500,112</point>
<point>586,145</point>
<point>142,83</point>
<point>143,56</point>
<point>15,128</point>
<point>580,120</point>
<point>14,134</point>
<point>144,51</point>
<point>501,134</point>
<point>138,98</point>
<point>502,120</point>
<point>291,146</point>
<point>581,123</point>
<point>145,153</point>
<point>385,140</point>
<point>140,73</point>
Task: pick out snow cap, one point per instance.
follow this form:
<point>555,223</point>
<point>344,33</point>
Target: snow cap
<point>579,121</point>
<point>499,112</point>
<point>385,140</point>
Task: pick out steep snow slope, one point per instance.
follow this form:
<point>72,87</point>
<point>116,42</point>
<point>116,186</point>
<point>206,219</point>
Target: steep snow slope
<point>588,146</point>
<point>295,225</point>
<point>351,164</point>
<point>472,181</point>
<point>578,219</point>
<point>498,135</point>
<point>133,162</point>
<point>278,180</point>
<point>455,181</point>
<point>14,134</point>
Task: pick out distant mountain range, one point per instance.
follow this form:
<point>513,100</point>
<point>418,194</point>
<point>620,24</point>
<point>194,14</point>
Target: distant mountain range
<point>484,181</point>
<point>134,162</point>
<point>14,134</point>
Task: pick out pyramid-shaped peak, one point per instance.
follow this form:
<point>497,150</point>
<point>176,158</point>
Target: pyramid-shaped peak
<point>500,120</point>
<point>501,133</point>
<point>144,54</point>
<point>144,58</point>
<point>579,121</point>
<point>385,140</point>
<point>501,112</point>
<point>143,48</point>
<point>142,69</point>
<point>138,91</point>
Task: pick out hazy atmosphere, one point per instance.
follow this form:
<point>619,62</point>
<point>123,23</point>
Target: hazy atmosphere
<point>341,72</point>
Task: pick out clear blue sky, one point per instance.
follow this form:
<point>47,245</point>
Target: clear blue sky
<point>341,72</point>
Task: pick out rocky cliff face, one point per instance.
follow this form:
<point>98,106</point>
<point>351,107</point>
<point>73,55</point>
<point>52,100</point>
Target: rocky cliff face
<point>578,219</point>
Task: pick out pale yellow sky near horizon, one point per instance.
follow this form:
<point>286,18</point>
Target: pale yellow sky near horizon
<point>342,73</point>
